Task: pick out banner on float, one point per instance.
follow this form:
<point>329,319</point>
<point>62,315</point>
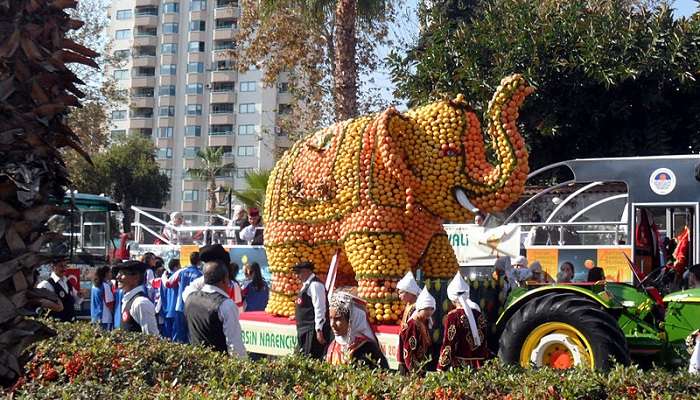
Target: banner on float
<point>281,340</point>
<point>610,258</point>
<point>476,245</point>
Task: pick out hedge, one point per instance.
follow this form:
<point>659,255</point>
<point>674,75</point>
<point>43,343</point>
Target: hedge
<point>82,362</point>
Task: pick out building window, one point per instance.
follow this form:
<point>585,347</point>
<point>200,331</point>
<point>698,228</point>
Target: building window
<point>168,69</point>
<point>225,23</point>
<point>124,14</point>
<point>170,27</point>
<point>167,90</point>
<point>167,172</point>
<point>190,152</point>
<point>146,31</point>
<point>193,130</point>
<point>118,115</point>
<point>146,11</point>
<point>168,48</point>
<point>171,7</point>
<point>247,129</point>
<point>198,5</point>
<point>221,108</point>
<point>194,109</point>
<point>164,153</point>
<point>224,45</point>
<point>246,108</point>
<point>166,111</point>
<point>190,195</point>
<point>141,112</point>
<point>142,92</point>
<point>195,47</point>
<point>120,74</point>
<point>283,87</point>
<point>145,132</point>
<point>144,71</point>
<point>122,34</point>
<point>121,55</point>
<point>195,88</point>
<point>165,132</point>
<point>226,3</point>
<point>144,51</point>
<point>284,108</point>
<point>197,26</point>
<point>223,86</point>
<point>244,151</point>
<point>248,86</point>
<point>242,172</point>
<point>223,65</point>
<point>226,150</point>
<point>195,67</point>
<point>220,130</point>
<point>117,134</point>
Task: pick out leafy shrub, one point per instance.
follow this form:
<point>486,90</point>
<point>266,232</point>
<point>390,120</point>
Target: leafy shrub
<point>82,362</point>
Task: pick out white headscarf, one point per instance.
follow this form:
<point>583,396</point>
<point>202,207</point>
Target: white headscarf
<point>355,308</point>
<point>424,300</point>
<point>408,284</point>
<point>458,290</point>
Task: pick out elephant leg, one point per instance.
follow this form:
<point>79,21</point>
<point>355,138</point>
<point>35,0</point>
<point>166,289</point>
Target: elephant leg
<point>379,260</point>
<point>439,260</point>
<point>285,285</point>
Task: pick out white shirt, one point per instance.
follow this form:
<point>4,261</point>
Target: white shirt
<point>64,284</point>
<point>694,367</point>
<point>248,233</point>
<point>317,292</point>
<point>197,285</point>
<point>107,317</point>
<point>228,314</point>
<point>142,310</point>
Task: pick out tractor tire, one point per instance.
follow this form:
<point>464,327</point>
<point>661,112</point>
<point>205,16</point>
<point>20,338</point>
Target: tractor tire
<point>563,330</point>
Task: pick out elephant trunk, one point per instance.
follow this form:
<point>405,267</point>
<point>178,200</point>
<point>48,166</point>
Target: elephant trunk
<point>493,187</point>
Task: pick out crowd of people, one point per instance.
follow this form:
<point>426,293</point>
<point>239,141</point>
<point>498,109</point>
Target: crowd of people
<point>244,228</point>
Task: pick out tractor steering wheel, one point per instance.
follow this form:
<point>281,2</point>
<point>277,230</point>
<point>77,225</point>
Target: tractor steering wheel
<point>654,276</point>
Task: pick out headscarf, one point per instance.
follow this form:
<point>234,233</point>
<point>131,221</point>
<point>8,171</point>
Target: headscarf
<point>355,310</point>
<point>424,300</point>
<point>458,290</point>
<point>174,215</point>
<point>408,284</point>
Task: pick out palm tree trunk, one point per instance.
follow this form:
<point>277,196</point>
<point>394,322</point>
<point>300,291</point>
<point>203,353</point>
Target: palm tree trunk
<point>211,204</point>
<point>345,74</point>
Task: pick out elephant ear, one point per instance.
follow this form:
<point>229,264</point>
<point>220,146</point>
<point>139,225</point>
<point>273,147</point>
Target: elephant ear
<point>391,151</point>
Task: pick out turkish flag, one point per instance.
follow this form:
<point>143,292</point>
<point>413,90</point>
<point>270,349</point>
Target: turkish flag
<point>73,277</point>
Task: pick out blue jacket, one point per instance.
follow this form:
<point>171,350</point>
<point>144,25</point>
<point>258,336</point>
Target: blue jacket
<point>118,308</point>
<point>255,300</point>
<point>184,278</point>
<point>97,295</point>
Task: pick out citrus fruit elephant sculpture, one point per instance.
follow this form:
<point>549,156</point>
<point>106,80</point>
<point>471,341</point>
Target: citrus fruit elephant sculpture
<point>378,188</point>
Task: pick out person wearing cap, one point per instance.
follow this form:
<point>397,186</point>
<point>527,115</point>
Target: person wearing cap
<point>464,338</point>
<point>311,313</point>
<point>212,317</point>
<point>138,314</point>
<point>68,296</point>
<point>354,341</point>
<point>253,233</point>
<point>238,221</point>
<point>408,293</point>
<point>414,340</point>
<point>181,279</point>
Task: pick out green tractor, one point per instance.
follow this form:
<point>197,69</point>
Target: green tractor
<point>606,208</point>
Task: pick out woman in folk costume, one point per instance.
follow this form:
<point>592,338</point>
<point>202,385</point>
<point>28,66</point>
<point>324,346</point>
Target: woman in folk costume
<point>464,339</point>
<point>354,340</point>
<point>414,340</point>
<point>408,293</point>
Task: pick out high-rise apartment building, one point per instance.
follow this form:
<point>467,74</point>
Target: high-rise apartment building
<point>185,92</point>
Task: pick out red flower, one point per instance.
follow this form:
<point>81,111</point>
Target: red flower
<point>632,391</point>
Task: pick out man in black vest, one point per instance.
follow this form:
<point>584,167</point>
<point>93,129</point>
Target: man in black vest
<point>311,313</point>
<point>212,317</point>
<point>68,296</point>
<point>138,312</point>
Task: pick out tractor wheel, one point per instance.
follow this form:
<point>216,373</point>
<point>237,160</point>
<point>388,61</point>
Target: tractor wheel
<point>562,330</point>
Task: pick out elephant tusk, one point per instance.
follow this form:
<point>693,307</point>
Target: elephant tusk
<point>463,200</point>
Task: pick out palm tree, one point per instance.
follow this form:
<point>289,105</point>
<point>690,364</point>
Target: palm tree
<point>254,195</point>
<point>342,46</point>
<point>36,90</point>
<point>212,166</point>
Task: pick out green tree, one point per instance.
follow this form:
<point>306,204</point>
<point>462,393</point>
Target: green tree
<point>212,165</point>
<point>613,78</point>
<point>127,171</point>
<point>253,196</point>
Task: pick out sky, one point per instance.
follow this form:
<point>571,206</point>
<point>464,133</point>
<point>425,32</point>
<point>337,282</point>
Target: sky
<point>407,31</point>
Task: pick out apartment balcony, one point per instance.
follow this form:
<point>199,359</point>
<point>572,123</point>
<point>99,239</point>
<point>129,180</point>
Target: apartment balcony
<point>196,78</point>
<point>145,41</point>
<point>142,102</point>
<point>197,57</point>
<point>165,163</point>
<point>223,76</point>
<point>193,120</point>
<point>168,80</point>
<point>190,184</point>
<point>222,97</point>
<point>222,119</point>
<point>171,17</point>
<point>164,142</point>
<point>146,20</point>
<point>190,206</point>
<point>193,141</point>
<point>166,59</point>
<point>190,163</point>
<point>138,122</point>
<point>221,140</point>
<point>226,12</point>
<point>140,3</point>
<point>144,61</point>
<point>166,121</point>
<point>143,81</point>
<point>224,34</point>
